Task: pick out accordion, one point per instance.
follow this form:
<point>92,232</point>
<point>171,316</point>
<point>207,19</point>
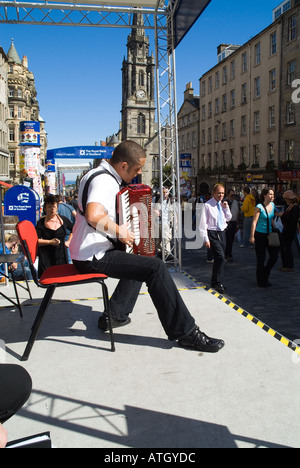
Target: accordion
<point>134,208</point>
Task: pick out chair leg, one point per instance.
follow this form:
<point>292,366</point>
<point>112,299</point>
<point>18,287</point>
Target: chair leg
<point>38,320</point>
<point>26,281</point>
<point>107,308</point>
<point>17,295</point>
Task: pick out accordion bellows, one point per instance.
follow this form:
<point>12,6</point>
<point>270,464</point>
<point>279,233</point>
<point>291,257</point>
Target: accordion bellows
<point>134,207</point>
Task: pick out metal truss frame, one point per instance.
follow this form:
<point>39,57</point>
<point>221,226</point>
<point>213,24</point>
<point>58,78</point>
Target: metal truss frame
<point>160,20</point>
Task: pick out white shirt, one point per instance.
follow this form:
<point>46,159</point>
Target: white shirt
<point>87,242</point>
<point>209,218</point>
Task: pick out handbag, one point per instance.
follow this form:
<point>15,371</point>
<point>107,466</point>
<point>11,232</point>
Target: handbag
<point>273,237</point>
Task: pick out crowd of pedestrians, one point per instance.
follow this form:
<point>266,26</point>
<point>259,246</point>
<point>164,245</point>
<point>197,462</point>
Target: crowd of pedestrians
<point>267,222</point>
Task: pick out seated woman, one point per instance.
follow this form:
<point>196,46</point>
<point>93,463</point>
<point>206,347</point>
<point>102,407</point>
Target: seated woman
<point>51,231</point>
<point>20,268</point>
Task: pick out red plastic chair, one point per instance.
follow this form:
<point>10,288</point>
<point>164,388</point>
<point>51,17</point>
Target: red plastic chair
<point>53,277</point>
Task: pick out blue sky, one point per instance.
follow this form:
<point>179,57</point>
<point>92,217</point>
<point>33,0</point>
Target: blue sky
<point>78,69</point>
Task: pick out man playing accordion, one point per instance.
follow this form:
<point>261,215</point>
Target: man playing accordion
<point>93,249</point>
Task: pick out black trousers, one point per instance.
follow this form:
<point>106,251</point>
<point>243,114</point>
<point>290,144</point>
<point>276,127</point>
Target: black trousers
<point>230,235</point>
<point>287,256</point>
<point>218,245</point>
<point>261,248</point>
<point>172,311</point>
<point>15,389</point>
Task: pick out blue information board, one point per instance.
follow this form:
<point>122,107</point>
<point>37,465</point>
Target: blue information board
<point>23,202</point>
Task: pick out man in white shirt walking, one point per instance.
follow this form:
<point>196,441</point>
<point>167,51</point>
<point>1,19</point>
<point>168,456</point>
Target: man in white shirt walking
<point>213,222</point>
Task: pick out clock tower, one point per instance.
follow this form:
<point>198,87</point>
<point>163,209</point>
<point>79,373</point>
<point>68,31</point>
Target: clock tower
<point>138,77</point>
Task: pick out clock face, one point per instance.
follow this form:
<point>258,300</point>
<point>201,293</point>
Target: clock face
<point>141,94</point>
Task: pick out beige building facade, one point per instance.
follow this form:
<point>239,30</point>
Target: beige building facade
<point>4,155</point>
<point>22,106</point>
<point>188,129</point>
<point>248,128</point>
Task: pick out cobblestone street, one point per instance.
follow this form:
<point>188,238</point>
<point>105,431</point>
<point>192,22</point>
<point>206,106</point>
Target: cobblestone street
<point>278,306</point>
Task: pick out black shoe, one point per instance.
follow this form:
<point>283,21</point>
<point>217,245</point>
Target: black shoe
<point>198,341</point>
<point>219,287</point>
<point>103,322</point>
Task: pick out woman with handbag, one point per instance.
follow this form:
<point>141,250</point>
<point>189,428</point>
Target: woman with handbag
<point>264,238</point>
<point>289,219</point>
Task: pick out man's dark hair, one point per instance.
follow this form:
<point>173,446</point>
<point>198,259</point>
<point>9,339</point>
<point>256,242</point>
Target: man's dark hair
<point>128,151</point>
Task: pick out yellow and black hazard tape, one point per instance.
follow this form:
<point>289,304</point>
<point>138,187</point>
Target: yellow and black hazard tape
<point>196,285</point>
<point>290,344</point>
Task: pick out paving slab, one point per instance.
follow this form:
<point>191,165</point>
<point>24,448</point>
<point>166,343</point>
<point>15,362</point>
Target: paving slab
<point>150,393</point>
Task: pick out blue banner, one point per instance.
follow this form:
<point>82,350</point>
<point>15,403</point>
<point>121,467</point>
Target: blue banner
<point>81,152</point>
<point>30,133</point>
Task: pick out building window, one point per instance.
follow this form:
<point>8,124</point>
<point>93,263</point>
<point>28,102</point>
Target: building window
<point>203,88</point>
<point>217,105</point>
<point>209,135</point>
<point>243,154</point>
<point>232,98</point>
<point>271,151</point>
<point>291,70</point>
<point>232,128</point>
<point>204,112</point>
<point>224,80</point>
<point>141,124</point>
<point>194,139</point>
<point>217,133</point>
<point>257,54</point>
<point>203,137</point>
<point>11,112</point>
<point>155,167</point>
<point>290,113</point>
<point>257,87</point>
<point>244,93</point>
<point>210,84</point>
<point>188,137</point>
<point>210,110</point>
<point>10,92</point>
<point>183,142</point>
<point>292,28</point>
<point>289,150</point>
<point>256,154</point>
<point>11,134</point>
<point>224,158</point>
<point>272,116</point>
<point>244,62</point>
<point>232,70</point>
<point>12,157</point>
<point>217,78</point>
<point>256,121</point>
<point>224,103</point>
<point>224,131</point>
<point>243,125</point>
<point>273,43</point>
<point>272,80</point>
<point>141,78</point>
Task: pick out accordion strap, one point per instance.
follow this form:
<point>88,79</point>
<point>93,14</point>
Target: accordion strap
<point>85,195</point>
<point>86,187</point>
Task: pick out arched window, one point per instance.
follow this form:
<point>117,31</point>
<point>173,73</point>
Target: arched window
<point>141,78</point>
<point>141,124</point>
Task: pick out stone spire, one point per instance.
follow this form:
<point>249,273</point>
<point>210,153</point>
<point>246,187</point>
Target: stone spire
<point>13,54</point>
